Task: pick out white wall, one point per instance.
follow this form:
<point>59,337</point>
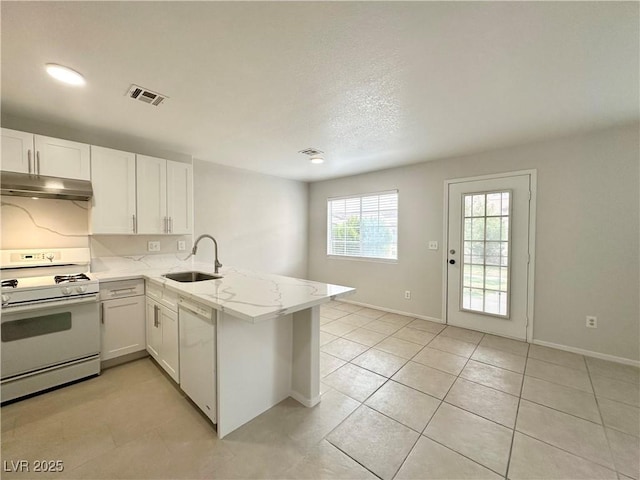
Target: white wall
<point>587,243</point>
<point>259,221</point>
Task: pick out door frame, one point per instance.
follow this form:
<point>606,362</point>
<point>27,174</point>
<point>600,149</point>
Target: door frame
<point>533,174</point>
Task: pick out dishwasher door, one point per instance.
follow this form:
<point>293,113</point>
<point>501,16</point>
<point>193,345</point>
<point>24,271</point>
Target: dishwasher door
<point>198,356</point>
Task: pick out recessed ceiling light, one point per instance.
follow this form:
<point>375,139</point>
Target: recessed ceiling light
<point>65,74</point>
<point>317,160</point>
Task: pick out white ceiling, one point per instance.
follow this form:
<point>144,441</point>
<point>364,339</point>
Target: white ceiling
<point>373,84</point>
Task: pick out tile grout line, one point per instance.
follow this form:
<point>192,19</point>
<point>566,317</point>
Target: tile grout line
<point>515,423</point>
<point>443,401</point>
<point>527,356</point>
<point>604,428</point>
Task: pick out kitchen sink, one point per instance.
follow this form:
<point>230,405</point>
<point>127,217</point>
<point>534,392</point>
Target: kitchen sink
<point>190,276</point>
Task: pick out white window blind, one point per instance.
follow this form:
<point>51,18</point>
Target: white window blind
<point>363,226</point>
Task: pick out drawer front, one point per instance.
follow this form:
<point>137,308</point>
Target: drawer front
<point>121,289</point>
<point>154,291</point>
<point>162,295</point>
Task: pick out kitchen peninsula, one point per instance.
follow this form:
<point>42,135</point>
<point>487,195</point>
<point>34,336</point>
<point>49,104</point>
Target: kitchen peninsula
<point>266,342</point>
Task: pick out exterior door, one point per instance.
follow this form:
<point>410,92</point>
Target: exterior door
<point>488,254</point>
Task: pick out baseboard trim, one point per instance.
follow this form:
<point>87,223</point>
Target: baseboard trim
<point>589,353</point>
<point>566,348</point>
<point>389,310</point>
<point>307,402</point>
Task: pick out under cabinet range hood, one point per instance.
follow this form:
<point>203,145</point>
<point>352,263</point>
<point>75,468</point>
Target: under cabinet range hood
<point>39,186</point>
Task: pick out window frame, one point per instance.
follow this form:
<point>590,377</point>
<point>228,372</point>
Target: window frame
<point>362,258</point>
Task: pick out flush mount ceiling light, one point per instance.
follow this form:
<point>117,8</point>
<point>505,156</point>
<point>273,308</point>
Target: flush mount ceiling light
<point>65,74</point>
<point>315,155</point>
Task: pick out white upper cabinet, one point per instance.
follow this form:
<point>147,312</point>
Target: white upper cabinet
<point>113,177</point>
<point>62,158</point>
<point>28,153</point>
<point>151,183</point>
<point>165,196</point>
<point>17,151</point>
<point>179,197</point>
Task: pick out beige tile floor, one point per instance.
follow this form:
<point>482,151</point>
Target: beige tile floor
<point>401,398</point>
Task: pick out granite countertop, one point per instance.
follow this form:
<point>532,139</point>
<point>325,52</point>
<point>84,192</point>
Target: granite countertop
<point>249,295</point>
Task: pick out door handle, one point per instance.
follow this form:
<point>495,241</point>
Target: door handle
<point>38,162</point>
<point>452,261</point>
<point>102,312</point>
<point>29,159</point>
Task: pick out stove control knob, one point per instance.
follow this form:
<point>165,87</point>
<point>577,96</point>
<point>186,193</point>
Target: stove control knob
<point>66,290</point>
<point>81,289</point>
<point>5,298</point>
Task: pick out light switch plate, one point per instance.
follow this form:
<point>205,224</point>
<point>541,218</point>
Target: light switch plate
<point>153,246</point>
<point>433,245</point>
<point>182,245</point>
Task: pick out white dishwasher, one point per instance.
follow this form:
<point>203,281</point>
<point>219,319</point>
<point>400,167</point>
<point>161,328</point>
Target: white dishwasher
<point>198,355</point>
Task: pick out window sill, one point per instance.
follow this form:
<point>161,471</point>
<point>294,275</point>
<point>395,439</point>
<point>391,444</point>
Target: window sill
<point>363,259</point>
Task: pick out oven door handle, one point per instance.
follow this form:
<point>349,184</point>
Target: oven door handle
<point>52,303</point>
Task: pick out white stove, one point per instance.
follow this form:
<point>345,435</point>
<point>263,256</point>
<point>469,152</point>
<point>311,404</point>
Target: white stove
<point>17,291</point>
<point>50,325</point>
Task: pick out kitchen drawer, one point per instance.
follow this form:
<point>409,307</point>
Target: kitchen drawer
<point>162,295</point>
<point>121,289</point>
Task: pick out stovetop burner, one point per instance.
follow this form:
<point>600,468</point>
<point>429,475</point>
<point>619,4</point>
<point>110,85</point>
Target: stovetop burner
<point>13,283</point>
<point>70,278</point>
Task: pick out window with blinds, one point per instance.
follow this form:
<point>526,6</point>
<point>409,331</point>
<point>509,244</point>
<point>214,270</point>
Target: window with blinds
<point>363,226</point>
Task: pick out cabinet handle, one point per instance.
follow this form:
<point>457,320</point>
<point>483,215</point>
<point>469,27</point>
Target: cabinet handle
<point>38,162</point>
<point>165,224</point>
<point>170,224</point>
<point>122,291</point>
<point>156,322</point>
<point>102,313</point>
<point>135,224</point>
<point>29,159</point>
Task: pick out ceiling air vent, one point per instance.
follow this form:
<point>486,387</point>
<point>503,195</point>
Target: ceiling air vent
<point>312,152</point>
<point>145,95</point>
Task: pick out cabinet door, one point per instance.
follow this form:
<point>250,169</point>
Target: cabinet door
<point>151,196</point>
<point>17,151</point>
<point>113,176</point>
<point>123,327</point>
<point>169,351</point>
<point>62,158</point>
<point>180,197</point>
<point>154,329</point>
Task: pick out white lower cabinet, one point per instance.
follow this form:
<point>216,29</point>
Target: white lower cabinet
<point>198,355</point>
<point>122,318</point>
<point>162,329</point>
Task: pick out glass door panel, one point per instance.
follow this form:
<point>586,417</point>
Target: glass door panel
<point>485,243</point>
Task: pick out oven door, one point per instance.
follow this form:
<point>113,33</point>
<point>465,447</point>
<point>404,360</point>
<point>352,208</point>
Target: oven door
<point>46,334</point>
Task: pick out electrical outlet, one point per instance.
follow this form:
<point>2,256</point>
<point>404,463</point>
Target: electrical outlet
<point>182,245</point>
<point>433,245</point>
<point>407,294</point>
<point>153,246</point>
<point>592,322</point>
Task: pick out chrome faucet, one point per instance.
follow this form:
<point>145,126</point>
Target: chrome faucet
<point>216,264</point>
